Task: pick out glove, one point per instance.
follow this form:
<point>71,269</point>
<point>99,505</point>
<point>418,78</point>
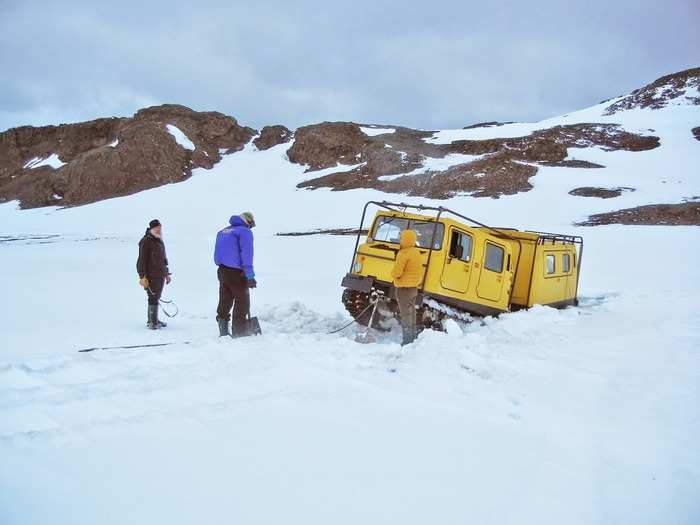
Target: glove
<point>252,283</point>
<point>143,281</point>
<point>168,278</point>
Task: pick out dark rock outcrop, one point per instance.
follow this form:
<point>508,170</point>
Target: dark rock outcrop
<point>495,167</point>
<point>107,158</point>
<point>660,92</point>
<point>271,136</point>
<point>601,193</point>
<point>489,177</point>
<point>682,214</point>
<point>320,231</point>
<point>328,144</point>
<point>696,132</point>
<point>573,163</point>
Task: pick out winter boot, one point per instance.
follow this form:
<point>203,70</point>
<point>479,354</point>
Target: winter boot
<point>159,323</point>
<point>152,323</point>
<point>223,327</point>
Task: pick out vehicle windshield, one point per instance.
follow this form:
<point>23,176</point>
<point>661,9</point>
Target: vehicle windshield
<point>388,229</point>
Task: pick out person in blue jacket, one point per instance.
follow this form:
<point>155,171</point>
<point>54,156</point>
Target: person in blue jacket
<point>233,254</point>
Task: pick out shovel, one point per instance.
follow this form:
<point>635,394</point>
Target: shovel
<point>253,325</point>
<point>365,337</point>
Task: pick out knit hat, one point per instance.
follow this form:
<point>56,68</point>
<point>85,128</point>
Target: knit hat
<point>153,223</point>
<point>248,218</point>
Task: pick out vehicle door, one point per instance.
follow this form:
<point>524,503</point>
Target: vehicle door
<point>495,276</point>
<point>457,267</point>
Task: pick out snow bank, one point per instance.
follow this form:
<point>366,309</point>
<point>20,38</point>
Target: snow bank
<point>180,137</point>
<point>522,129</point>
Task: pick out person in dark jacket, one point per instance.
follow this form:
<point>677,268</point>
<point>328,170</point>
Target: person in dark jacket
<point>233,254</point>
<point>152,266</point>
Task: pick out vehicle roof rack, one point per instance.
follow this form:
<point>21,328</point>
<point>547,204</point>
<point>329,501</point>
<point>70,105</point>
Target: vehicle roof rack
<point>402,206</point>
<point>498,231</point>
<point>557,237</point>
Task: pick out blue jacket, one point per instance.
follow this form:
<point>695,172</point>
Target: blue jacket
<point>234,247</point>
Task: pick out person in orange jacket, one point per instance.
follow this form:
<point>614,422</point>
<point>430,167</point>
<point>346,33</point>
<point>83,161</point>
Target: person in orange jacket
<point>407,274</point>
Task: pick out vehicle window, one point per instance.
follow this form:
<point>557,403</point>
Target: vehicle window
<point>461,246</point>
<point>388,229</point>
<point>549,264</point>
<point>565,263</point>
<point>424,232</point>
<point>494,258</point>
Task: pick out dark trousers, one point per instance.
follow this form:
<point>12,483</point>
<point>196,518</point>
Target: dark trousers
<point>406,298</point>
<point>155,288</point>
<point>233,291</point>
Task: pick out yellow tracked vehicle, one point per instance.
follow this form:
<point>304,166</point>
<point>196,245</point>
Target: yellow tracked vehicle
<point>470,269</point>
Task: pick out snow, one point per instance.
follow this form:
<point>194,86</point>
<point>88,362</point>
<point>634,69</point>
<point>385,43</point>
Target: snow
<point>114,143</point>
<point>522,129</point>
<point>374,131</point>
<point>672,96</point>
<point>578,416</point>
<point>689,95</point>
<point>338,168</point>
<point>435,164</point>
<point>52,161</point>
<point>182,139</point>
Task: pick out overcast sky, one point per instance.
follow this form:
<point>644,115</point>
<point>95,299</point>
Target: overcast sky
<point>428,64</point>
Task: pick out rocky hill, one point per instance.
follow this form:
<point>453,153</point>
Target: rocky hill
<point>75,164</point>
<point>81,163</point>
<point>399,161</point>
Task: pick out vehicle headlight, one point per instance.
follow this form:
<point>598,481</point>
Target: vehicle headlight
<point>357,267</point>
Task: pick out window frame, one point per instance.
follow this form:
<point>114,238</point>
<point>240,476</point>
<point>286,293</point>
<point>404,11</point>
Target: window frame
<point>439,233</point>
<point>566,269</point>
<point>503,256</point>
<point>547,256</point>
<point>379,222</point>
<point>456,231</point>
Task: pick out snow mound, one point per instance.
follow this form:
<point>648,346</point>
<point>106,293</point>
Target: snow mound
<point>297,318</point>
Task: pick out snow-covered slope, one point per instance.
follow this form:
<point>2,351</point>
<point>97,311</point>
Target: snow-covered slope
<point>490,160</point>
<point>586,415</point>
